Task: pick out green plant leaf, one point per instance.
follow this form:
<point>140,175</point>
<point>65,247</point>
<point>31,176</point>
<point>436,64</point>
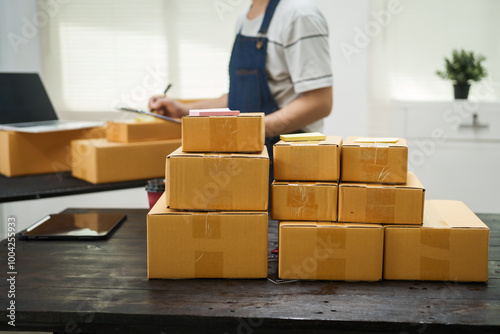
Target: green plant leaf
<point>463,66</point>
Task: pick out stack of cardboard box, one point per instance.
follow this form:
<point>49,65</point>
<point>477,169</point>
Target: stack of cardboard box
<point>382,229</point>
<point>23,153</point>
<point>132,150</point>
<point>212,221</point>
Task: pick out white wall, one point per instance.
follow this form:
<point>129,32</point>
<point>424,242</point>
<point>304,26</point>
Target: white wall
<point>19,42</point>
<point>350,111</point>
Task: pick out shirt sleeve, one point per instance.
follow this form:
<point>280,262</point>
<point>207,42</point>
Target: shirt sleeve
<point>307,53</point>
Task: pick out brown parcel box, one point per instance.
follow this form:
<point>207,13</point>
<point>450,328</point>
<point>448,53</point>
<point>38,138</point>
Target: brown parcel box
<point>37,153</point>
<point>316,201</point>
<point>452,245</point>
<point>383,204</point>
<point>243,133</point>
<point>184,244</point>
<point>128,131</point>
<point>217,181</point>
<point>101,161</point>
<point>308,161</point>
<point>374,162</point>
<point>330,251</point>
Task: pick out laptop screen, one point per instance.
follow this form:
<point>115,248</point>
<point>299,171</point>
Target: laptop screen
<point>23,99</point>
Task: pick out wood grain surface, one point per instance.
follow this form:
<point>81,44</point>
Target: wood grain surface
<point>102,287</point>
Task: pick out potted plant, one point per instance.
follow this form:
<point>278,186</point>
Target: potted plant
<point>462,68</point>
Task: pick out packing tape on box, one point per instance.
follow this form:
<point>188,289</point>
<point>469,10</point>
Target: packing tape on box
<point>434,260</point>
<point>223,133</point>
<point>380,204</point>
<point>206,226</point>
<point>208,262</point>
<point>378,156</point>
<point>302,153</point>
<point>374,173</point>
<point>217,188</point>
<point>302,201</point>
<point>374,161</point>
<point>330,253</point>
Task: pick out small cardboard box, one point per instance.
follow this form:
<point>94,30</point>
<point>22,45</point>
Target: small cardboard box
<point>128,131</point>
<point>243,133</point>
<point>184,244</point>
<point>24,153</point>
<point>330,251</point>
<point>383,204</point>
<point>101,161</point>
<point>452,245</point>
<point>308,161</point>
<point>374,162</point>
<point>316,201</point>
<point>217,181</point>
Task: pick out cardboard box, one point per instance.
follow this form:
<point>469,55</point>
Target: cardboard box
<point>185,244</point>
<point>383,204</point>
<point>308,161</point>
<point>330,251</point>
<point>128,131</point>
<point>243,133</point>
<point>217,181</point>
<point>101,161</point>
<point>38,153</point>
<point>452,245</point>
<point>316,201</point>
<point>374,162</point>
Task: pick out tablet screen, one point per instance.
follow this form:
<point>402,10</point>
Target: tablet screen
<point>74,226</point>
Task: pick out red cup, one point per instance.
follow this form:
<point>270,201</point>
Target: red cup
<point>155,188</point>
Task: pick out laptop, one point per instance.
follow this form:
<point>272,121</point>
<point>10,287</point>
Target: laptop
<point>26,107</point>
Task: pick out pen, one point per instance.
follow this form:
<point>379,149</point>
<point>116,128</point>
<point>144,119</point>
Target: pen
<point>164,94</point>
<point>166,89</point>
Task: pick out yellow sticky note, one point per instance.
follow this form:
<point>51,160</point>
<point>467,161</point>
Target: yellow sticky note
<point>144,119</point>
<point>303,136</point>
<point>376,140</point>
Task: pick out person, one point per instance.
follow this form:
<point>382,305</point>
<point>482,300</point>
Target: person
<point>280,65</point>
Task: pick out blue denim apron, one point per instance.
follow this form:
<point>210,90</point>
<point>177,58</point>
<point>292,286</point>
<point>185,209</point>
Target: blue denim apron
<point>248,83</point>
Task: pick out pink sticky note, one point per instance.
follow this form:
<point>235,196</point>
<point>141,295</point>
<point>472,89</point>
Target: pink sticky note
<point>214,112</point>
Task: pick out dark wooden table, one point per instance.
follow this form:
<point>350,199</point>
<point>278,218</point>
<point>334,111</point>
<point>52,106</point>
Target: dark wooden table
<point>102,287</point>
<point>27,187</point>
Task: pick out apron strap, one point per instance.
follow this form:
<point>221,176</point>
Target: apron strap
<point>271,7</point>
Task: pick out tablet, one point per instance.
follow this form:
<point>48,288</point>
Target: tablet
<point>78,226</point>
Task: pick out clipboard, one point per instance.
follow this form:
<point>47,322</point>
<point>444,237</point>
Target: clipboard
<point>165,118</point>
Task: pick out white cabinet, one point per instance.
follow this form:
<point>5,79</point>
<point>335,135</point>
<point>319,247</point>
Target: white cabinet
<point>454,148</point>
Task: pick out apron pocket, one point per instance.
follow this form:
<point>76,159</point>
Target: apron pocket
<point>248,90</point>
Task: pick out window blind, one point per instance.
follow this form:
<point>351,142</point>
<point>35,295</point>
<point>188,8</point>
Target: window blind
<point>101,54</point>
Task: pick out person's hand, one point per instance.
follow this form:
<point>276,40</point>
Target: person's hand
<point>167,106</point>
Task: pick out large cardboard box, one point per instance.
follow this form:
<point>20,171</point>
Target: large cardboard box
<point>314,201</point>
<point>128,131</point>
<point>452,245</point>
<point>330,251</point>
<point>101,161</point>
<point>374,162</point>
<point>184,244</point>
<point>38,153</point>
<point>308,161</point>
<point>217,181</point>
<point>243,133</point>
<point>383,204</point>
